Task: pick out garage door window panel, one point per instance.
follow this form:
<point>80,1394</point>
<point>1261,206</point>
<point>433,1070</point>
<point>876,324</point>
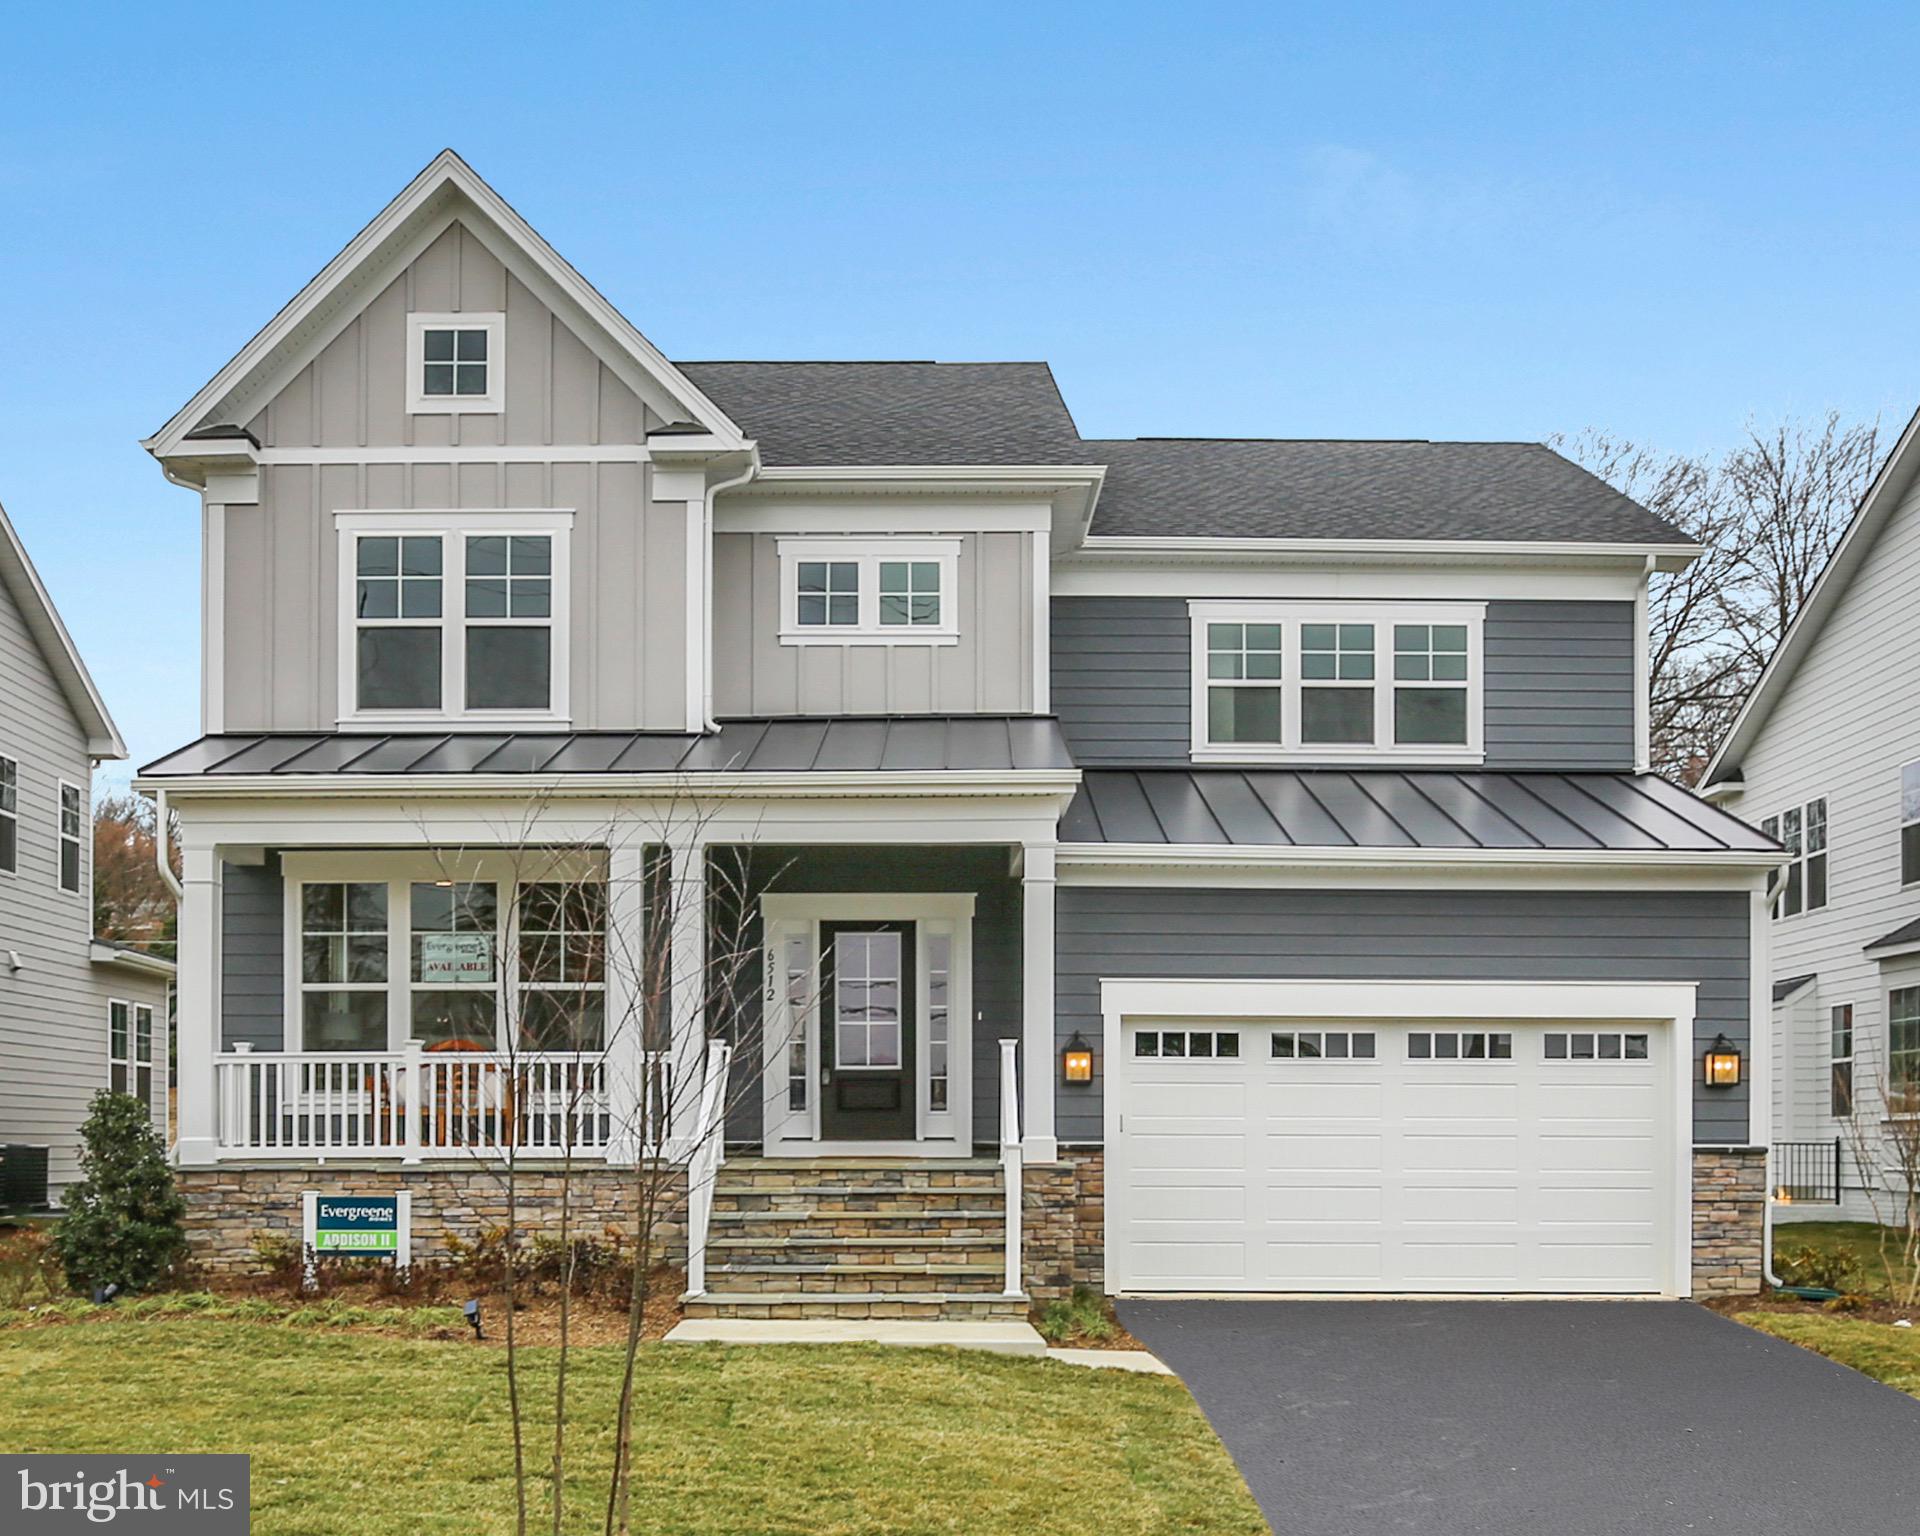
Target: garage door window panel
<point>1322,1045</point>
<point>1594,1046</point>
<point>1187,1044</point>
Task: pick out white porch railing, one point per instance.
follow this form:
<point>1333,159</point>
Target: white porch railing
<point>413,1104</point>
<point>703,1166</point>
<point>1012,1160</point>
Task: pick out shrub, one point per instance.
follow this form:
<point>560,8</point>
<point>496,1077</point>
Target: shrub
<point>1083,1315</point>
<point>1827,1269</point>
<point>29,1269</point>
<point>124,1219</point>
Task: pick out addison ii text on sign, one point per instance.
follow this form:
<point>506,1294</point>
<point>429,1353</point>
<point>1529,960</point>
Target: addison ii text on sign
<point>377,1225</point>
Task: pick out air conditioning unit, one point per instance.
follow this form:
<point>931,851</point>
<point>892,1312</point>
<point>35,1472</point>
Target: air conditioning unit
<point>23,1177</point>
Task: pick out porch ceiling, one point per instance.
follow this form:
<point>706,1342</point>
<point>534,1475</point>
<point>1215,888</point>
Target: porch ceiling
<point>843,744</point>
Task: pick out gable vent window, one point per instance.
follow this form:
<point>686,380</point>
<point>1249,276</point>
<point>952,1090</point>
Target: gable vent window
<point>9,815</point>
<point>454,363</point>
<point>465,622</point>
<point>879,591</point>
<point>1336,682</point>
<point>1802,831</point>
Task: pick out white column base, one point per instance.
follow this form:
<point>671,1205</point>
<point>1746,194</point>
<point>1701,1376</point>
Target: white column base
<point>1040,1149</point>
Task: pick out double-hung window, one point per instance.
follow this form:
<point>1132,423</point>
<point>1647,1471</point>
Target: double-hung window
<point>455,363</point>
<point>885,591</point>
<point>453,617</point>
<point>343,966</point>
<point>9,815</point>
<point>1840,1090</point>
<point>455,928</point>
<point>1337,681</point>
<point>1802,831</point>
<point>71,825</point>
<point>563,966</point>
<point>1910,824</point>
<point>1903,1050</point>
<point>130,1049</point>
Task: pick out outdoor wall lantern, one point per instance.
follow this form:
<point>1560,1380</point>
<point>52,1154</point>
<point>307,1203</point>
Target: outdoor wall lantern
<point>1722,1063</point>
<point>1076,1061</point>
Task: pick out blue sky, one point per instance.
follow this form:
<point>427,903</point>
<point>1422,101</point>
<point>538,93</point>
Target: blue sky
<point>1380,221</point>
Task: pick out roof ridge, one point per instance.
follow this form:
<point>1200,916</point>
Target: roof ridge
<point>863,362</point>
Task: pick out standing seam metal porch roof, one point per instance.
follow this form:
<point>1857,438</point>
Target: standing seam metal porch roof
<point>1410,808</point>
<point>843,744</point>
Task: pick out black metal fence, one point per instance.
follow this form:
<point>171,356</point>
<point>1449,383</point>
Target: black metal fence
<point>1807,1172</point>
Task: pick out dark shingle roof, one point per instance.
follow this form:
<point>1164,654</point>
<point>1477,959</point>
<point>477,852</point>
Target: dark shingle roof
<point>1782,990</point>
<point>844,744</point>
<point>1374,808</point>
<point>895,413</point>
<point>1265,489</point>
<point>1906,933</point>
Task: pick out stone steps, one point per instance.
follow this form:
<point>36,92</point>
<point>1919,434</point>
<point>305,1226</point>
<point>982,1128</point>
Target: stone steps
<point>854,1238</point>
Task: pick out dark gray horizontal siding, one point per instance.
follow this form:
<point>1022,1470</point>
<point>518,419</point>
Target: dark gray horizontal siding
<point>1559,685</point>
<point>1696,936</point>
<point>1122,679</point>
<point>252,956</point>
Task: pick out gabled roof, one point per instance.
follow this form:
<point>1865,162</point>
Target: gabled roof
<point>447,188</point>
<point>1883,498</point>
<point>19,577</point>
<point>822,413</point>
<point>1265,488</point>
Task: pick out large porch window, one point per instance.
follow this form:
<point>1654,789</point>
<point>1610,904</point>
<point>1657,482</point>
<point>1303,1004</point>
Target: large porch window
<point>387,950</point>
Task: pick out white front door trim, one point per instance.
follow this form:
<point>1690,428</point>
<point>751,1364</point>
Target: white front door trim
<point>1669,1004</point>
<point>944,1132</point>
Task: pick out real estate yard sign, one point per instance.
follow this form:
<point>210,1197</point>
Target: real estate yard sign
<point>371,1226</point>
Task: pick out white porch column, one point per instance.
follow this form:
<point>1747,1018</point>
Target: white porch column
<point>626,973</point>
<point>198,988</point>
<point>687,912</point>
<point>1038,1141</point>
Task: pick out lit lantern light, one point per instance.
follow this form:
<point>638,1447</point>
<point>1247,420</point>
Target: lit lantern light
<point>1076,1061</point>
<point>1722,1063</point>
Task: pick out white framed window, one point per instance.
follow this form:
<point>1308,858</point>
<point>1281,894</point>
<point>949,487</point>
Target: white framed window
<point>119,1046</point>
<point>1903,1050</point>
<point>1336,682</point>
<point>387,948</point>
<point>453,617</point>
<point>9,815</point>
<point>1840,1045</point>
<point>72,824</point>
<point>456,363</point>
<point>1322,1045</point>
<point>867,1001</point>
<point>1594,1045</point>
<point>143,1053</point>
<point>1187,1044</point>
<point>885,591</point>
<point>939,954</point>
<point>1910,824</point>
<point>1459,1045</point>
<point>1802,831</point>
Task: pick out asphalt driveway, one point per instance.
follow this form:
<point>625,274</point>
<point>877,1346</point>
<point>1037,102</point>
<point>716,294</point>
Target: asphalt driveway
<point>1548,1418</point>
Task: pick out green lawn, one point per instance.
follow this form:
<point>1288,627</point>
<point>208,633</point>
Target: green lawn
<point>1885,1353</point>
<point>1859,1238</point>
<point>354,1433</point>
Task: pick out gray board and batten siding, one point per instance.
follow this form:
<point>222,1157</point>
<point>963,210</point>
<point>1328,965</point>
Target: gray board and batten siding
<point>1558,689</point>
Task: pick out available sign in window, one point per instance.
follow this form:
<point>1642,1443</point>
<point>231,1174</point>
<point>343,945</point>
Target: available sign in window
<point>450,958</point>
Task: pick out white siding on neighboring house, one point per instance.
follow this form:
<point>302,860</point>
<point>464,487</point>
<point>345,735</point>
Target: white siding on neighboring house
<point>1840,730</point>
<point>53,1008</point>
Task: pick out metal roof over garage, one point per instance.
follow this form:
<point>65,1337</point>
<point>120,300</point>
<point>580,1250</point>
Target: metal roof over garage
<point>1376,808</point>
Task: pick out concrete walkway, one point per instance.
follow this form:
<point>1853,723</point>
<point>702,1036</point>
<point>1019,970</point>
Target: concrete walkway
<point>1549,1418</point>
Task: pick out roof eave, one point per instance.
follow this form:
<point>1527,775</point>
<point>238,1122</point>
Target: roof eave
<point>1295,857</point>
<point>721,784</point>
<point>43,620</point>
<point>100,953</point>
<point>1666,557</point>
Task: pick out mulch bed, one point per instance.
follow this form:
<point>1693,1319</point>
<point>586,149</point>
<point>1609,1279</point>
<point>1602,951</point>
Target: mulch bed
<point>1868,1308</point>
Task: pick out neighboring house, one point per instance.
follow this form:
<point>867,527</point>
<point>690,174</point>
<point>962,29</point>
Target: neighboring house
<point>1247,847</point>
<point>1826,755</point>
<point>76,1014</point>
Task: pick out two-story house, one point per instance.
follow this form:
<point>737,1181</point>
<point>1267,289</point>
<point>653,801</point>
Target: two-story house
<point>76,1014</point>
<point>1826,756</point>
<point>1244,851</point>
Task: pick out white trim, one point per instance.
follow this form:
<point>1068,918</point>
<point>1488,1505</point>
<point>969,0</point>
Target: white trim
<point>213,617</point>
<point>453,529</point>
<point>1398,580</point>
<point>868,555</point>
<point>11,871</point>
<point>426,199</point>
<point>1313,550</point>
<point>43,622</point>
<point>1642,677</point>
<point>494,325</point>
<point>78,839</point>
<point>504,454</point>
<point>518,788</point>
<point>937,1133</point>
<point>1149,857</point>
<point>839,516</point>
<point>101,953</point>
<point>1048,475</point>
<point>1042,596</point>
<point>1291,617</point>
<point>1670,1004</point>
<point>698,604</point>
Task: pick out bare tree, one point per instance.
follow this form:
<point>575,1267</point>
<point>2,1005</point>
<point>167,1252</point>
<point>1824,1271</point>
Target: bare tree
<point>1882,1131</point>
<point>1767,515</point>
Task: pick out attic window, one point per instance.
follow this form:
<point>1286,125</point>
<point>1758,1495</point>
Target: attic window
<point>455,363</point>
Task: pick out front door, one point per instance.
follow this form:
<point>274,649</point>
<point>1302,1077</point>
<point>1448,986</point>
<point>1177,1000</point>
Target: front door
<point>868,1024</point>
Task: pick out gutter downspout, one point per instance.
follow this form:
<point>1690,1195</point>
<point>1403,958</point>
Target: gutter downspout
<point>1778,880</point>
<point>706,526</point>
<point>160,848</point>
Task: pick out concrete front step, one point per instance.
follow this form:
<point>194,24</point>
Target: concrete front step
<point>998,1337</point>
<point>900,1270</point>
<point>986,1215</point>
<point>794,1305</point>
<point>930,1247</point>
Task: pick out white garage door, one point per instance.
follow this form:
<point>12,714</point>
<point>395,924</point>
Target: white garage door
<point>1392,1158</point>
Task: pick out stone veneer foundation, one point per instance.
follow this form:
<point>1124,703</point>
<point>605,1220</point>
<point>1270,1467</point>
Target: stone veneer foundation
<point>1729,1220</point>
<point>230,1206</point>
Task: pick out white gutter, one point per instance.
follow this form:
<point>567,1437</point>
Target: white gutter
<point>1779,882</point>
<point>601,786</point>
<point>161,852</point>
<point>1290,856</point>
<point>706,530</point>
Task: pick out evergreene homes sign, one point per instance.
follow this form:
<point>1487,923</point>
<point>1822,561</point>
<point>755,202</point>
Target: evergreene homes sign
<point>377,1226</point>
<point>155,1495</point>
